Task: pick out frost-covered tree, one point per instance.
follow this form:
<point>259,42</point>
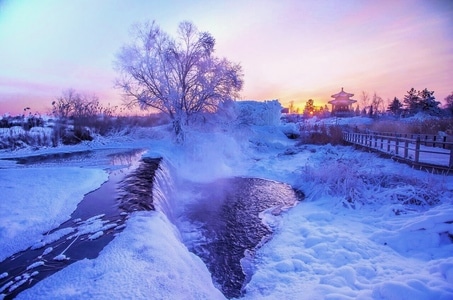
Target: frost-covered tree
<point>428,103</point>
<point>71,104</point>
<point>365,99</point>
<point>421,101</point>
<point>178,76</point>
<point>63,106</point>
<point>376,103</point>
<point>395,107</point>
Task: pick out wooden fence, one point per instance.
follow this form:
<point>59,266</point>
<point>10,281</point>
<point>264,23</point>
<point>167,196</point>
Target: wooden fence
<point>422,150</point>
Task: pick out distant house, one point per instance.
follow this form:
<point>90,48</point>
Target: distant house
<point>342,104</point>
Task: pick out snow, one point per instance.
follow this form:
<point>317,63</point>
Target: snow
<point>36,200</point>
<point>35,264</point>
<point>145,260</point>
<point>369,228</point>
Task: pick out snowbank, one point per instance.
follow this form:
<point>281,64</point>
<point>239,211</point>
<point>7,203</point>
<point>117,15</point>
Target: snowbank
<point>325,254</point>
<point>146,261</point>
<point>35,200</point>
<point>352,238</point>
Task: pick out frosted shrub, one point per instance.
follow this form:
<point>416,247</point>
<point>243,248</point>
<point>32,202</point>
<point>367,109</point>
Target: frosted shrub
<point>321,134</point>
<point>16,137</point>
<point>326,181</point>
<point>413,126</point>
<point>353,183</point>
<point>265,113</point>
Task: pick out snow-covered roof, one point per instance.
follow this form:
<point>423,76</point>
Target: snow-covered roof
<point>342,98</point>
<point>342,94</point>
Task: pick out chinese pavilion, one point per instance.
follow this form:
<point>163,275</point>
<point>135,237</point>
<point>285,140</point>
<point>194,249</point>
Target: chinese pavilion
<point>342,104</point>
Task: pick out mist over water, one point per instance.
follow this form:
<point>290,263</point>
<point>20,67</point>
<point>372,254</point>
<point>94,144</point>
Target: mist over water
<point>225,222</point>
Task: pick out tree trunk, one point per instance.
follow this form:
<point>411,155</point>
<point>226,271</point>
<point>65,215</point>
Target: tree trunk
<point>179,132</point>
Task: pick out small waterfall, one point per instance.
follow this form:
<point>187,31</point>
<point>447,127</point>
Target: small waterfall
<point>223,222</point>
<point>164,189</point>
<point>150,187</point>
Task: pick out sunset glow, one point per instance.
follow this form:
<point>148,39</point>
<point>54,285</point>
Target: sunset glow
<point>289,50</point>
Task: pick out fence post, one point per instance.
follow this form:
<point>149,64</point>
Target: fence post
<point>396,145</point>
<point>417,150</point>
<point>406,148</point>
<point>451,158</point>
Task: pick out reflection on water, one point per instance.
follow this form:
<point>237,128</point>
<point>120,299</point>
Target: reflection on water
<point>55,158</point>
<point>91,226</point>
<point>101,158</point>
<point>229,213</point>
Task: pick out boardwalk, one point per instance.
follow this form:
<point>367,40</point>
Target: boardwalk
<point>418,150</point>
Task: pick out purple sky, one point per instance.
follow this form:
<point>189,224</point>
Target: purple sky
<point>289,50</point>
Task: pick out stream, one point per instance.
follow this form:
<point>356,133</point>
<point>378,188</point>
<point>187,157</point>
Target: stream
<point>223,222</point>
<point>232,218</point>
<point>94,223</point>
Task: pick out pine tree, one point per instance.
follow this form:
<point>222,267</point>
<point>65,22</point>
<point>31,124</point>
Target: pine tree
<point>412,102</point>
<point>428,103</point>
<point>395,107</point>
<point>309,108</point>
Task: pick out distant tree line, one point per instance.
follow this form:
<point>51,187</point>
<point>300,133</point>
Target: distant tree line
<point>414,102</point>
<point>73,105</point>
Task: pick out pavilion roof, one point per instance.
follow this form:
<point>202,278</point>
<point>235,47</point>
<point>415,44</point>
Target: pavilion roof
<point>342,94</point>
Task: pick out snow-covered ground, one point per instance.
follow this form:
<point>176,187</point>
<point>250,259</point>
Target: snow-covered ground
<point>369,228</point>
<point>36,200</point>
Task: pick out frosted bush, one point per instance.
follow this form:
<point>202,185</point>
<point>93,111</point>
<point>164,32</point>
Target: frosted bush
<point>259,113</point>
<point>355,183</point>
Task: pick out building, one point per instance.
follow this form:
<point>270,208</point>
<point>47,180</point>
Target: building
<point>342,104</point>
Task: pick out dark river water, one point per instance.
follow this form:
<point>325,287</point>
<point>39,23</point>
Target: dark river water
<point>229,213</point>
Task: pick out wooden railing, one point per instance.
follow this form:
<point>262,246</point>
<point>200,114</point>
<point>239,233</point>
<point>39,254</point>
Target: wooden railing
<point>420,149</point>
<point>442,141</point>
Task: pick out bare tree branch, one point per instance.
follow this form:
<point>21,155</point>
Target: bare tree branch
<point>179,77</point>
